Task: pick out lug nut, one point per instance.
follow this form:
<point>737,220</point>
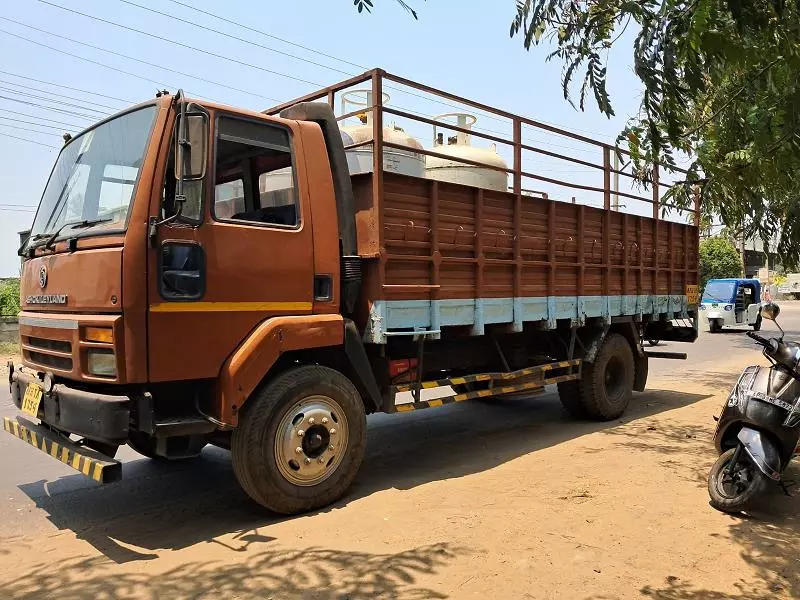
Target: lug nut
<point>308,461</point>
<point>332,431</point>
<point>321,460</point>
<point>324,420</point>
<point>311,420</point>
<point>331,448</point>
<point>300,433</point>
<point>298,450</point>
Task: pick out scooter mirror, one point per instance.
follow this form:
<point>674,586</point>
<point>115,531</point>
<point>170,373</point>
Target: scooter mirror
<point>770,311</point>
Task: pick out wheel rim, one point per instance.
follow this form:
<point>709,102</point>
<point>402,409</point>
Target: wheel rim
<point>311,440</point>
<point>615,377</point>
<point>733,486</point>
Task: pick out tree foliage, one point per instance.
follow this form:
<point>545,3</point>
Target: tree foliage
<point>9,298</point>
<point>367,5</point>
<point>719,259</point>
<point>721,86</point>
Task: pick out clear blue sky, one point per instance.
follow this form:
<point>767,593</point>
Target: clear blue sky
<point>461,46</point>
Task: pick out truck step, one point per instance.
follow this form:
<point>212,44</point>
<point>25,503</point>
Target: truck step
<point>91,463</point>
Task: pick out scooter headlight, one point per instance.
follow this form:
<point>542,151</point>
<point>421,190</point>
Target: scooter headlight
<point>729,307</point>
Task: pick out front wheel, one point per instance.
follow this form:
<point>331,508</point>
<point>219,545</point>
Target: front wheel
<point>757,324</point>
<point>300,440</point>
<point>714,325</point>
<point>735,489</point>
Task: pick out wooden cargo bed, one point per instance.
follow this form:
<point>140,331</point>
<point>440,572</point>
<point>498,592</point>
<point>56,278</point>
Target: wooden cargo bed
<point>441,255</point>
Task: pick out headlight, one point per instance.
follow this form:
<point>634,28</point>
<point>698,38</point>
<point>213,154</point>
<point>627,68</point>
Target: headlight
<point>702,307</point>
<point>729,307</point>
<point>102,362</point>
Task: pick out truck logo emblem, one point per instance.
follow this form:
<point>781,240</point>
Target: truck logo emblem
<point>47,299</point>
<point>42,277</point>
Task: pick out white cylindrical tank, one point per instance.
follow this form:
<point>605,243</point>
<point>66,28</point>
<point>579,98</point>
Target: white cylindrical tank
<point>460,146</point>
<point>395,160</point>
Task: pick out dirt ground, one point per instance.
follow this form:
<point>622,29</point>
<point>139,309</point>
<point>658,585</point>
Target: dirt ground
<point>540,508</point>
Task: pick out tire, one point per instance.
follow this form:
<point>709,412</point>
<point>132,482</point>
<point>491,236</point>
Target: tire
<point>267,466</point>
<point>606,385</point>
<point>714,326</point>
<point>757,324</point>
<point>723,497</point>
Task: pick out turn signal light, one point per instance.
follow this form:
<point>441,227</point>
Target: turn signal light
<point>103,335</point>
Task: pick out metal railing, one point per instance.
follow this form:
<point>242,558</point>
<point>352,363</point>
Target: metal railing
<point>377,79</point>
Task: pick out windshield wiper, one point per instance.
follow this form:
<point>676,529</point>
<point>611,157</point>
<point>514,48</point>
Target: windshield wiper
<point>72,225</point>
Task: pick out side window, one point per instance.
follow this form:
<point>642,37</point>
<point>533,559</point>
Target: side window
<point>254,175</point>
<point>183,270</point>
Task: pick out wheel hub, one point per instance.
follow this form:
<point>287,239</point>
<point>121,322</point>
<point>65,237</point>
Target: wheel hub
<point>311,440</point>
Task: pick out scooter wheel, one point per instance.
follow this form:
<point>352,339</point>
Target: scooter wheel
<point>737,492</point>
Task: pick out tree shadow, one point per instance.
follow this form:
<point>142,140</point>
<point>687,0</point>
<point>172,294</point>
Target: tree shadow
<point>175,505</point>
<point>318,573</point>
<point>767,538</point>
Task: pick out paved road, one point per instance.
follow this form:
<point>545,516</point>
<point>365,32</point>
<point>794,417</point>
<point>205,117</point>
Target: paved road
<point>177,505</point>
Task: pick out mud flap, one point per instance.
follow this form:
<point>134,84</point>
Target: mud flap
<point>762,451</point>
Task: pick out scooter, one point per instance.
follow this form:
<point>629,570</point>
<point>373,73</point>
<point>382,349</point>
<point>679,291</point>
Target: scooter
<point>758,430</point>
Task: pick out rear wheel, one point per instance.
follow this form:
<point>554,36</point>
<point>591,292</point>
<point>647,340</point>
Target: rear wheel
<point>606,385</point>
<point>300,440</point>
<point>714,325</point>
<point>737,489</point>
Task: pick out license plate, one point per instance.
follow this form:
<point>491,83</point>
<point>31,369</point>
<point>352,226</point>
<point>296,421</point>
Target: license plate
<point>31,400</point>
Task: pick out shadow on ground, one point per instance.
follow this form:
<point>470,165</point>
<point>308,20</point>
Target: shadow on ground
<point>768,541</point>
<point>313,573</point>
<point>175,505</point>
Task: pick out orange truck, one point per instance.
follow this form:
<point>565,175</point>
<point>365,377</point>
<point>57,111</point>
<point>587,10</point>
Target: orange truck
<point>200,274</point>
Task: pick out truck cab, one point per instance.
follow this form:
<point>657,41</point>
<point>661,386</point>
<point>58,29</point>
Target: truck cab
<point>133,292</point>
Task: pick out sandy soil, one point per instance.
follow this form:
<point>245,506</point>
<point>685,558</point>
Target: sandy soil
<point>542,508</point>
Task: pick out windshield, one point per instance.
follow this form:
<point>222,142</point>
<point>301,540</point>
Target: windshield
<point>719,291</point>
<point>95,176</point>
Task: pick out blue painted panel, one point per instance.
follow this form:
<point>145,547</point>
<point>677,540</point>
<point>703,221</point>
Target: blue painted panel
<point>425,314</point>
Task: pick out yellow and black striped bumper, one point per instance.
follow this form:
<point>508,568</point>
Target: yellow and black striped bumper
<point>530,380</point>
<point>91,463</point>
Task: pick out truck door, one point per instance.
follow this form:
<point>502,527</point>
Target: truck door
<point>247,257</point>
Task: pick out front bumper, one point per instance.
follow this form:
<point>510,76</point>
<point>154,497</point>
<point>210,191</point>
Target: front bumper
<point>101,417</point>
<point>93,464</point>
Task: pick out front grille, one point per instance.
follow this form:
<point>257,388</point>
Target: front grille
<point>47,360</point>
<point>45,344</point>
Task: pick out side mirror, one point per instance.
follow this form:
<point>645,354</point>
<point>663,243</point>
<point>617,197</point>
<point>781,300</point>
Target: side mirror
<point>191,148</point>
<point>770,311</point>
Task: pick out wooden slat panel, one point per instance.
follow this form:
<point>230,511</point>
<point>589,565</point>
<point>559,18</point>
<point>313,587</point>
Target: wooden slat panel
<point>463,240</point>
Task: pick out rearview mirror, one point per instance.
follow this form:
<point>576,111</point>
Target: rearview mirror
<point>770,311</point>
<point>191,154</point>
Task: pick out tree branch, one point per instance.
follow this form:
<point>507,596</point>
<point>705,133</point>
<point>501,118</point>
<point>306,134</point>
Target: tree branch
<point>730,99</point>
